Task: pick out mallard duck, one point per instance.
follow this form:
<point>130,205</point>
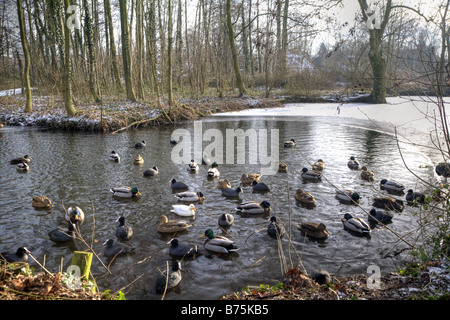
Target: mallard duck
<point>229,192</point>
<point>24,159</point>
<point>21,255</point>
<point>138,160</point>
<point>151,172</point>
<point>290,143</point>
<point>125,192</point>
<point>388,203</point>
<point>60,235</point>
<point>314,230</point>
<point>184,210</point>
<point>282,167</point>
<point>253,207</point>
<point>116,249</point>
<point>311,175</point>
<point>379,215</point>
<point>164,282</point>
<point>171,226</point>
<point>113,156</point>
<point>193,166</point>
<point>140,144</point>
<point>181,250</point>
<point>366,174</point>
<point>274,229</point>
<point>304,197</point>
<point>213,171</point>
<point>41,202</point>
<point>190,196</point>
<point>355,224</point>
<point>74,215</point>
<point>218,244</point>
<point>174,184</point>
<point>23,166</point>
<point>412,196</point>
<point>260,186</point>
<point>225,220</point>
<point>443,169</point>
<point>223,184</point>
<point>391,185</point>
<point>248,178</point>
<point>347,196</point>
<point>319,165</point>
<point>353,163</point>
<point>123,231</point>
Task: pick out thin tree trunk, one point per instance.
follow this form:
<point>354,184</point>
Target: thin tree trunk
<point>126,56</point>
<point>169,55</point>
<point>93,83</point>
<point>68,103</point>
<point>29,103</point>
<point>234,54</point>
<point>112,45</point>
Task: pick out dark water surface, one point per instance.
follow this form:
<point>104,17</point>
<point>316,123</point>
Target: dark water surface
<point>73,168</point>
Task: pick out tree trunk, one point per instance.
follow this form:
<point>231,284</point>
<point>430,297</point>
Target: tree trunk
<point>377,61</point>
<point>112,45</point>
<point>93,83</point>
<point>126,56</point>
<point>68,103</point>
<point>169,54</point>
<point>26,73</point>
<point>234,54</point>
<point>139,49</point>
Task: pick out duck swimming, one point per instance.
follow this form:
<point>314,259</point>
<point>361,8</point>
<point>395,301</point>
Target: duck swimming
<point>353,163</point>
<point>274,229</point>
<point>355,224</point>
<point>253,207</point>
<point>225,220</point>
<point>229,192</point>
<point>310,175</point>
<point>74,215</point>
<point>23,166</point>
<point>171,226</point>
<point>314,230</point>
<point>138,160</point>
<point>290,143</point>
<point>24,159</point>
<point>181,250</point>
<point>248,178</point>
<point>319,165</point>
<point>412,197</point>
<point>366,174</point>
<point>379,215</point>
<point>223,184</point>
<point>388,203</point>
<point>282,167</point>
<point>347,196</point>
<point>117,249</point>
<point>151,172</point>
<point>163,281</point>
<point>184,210</point>
<point>60,235</point>
<point>193,166</point>
<point>304,197</point>
<point>260,186</point>
<point>218,244</point>
<point>21,255</point>
<point>391,185</point>
<point>123,231</point>
<point>190,196</point>
<point>113,156</point>
<point>125,192</point>
<point>141,144</point>
<point>174,184</point>
<point>213,172</point>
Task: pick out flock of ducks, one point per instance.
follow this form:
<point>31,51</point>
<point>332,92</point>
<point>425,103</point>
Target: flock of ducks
<point>220,244</point>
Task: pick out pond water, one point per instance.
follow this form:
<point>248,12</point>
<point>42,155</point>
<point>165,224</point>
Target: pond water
<point>73,168</point>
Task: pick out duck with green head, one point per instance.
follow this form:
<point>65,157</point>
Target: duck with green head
<point>347,196</point>
<point>218,244</point>
<point>213,172</point>
<point>125,192</point>
<point>355,224</point>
